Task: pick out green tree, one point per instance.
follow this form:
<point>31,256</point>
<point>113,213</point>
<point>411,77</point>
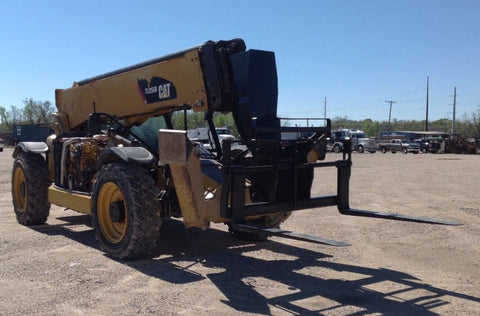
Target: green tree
<point>6,118</point>
<point>474,124</point>
<point>29,110</point>
<point>197,119</point>
<point>194,119</point>
<point>371,128</point>
<point>44,112</point>
<point>441,125</point>
<point>32,112</point>
<point>226,120</point>
<point>37,112</point>
<point>16,115</point>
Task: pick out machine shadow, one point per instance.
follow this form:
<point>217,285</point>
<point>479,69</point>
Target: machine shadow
<point>67,227</point>
<point>300,292</point>
<point>215,249</point>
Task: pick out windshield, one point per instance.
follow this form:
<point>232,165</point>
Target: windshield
<point>358,135</point>
<point>222,130</point>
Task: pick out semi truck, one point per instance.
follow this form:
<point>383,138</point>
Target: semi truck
<point>359,141</point>
<point>203,136</point>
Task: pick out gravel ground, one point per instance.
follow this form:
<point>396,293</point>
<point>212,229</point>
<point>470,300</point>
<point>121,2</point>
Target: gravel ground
<point>392,268</point>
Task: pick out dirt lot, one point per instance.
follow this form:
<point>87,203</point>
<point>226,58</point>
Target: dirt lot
<point>392,268</point>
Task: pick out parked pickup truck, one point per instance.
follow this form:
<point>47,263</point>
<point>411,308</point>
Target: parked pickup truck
<point>401,145</point>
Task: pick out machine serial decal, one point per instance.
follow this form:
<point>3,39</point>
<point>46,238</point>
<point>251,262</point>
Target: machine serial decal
<point>158,89</point>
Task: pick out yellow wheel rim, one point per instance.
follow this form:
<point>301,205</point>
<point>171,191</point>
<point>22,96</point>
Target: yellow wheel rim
<point>20,189</point>
<point>112,230</point>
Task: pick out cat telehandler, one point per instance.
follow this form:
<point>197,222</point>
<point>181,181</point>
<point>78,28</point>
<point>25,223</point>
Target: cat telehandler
<point>117,156</point>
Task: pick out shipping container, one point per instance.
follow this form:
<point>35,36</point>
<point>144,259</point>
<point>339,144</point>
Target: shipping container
<point>31,133</point>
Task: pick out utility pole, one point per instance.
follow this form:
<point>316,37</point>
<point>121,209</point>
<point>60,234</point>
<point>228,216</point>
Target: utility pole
<point>454,105</point>
<point>389,116</point>
<point>325,107</point>
<point>426,117</point>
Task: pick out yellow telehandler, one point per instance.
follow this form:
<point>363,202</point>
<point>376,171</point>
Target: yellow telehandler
<point>116,155</point>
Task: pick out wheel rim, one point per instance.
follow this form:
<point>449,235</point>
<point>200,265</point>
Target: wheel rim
<point>113,230</point>
<point>20,189</point>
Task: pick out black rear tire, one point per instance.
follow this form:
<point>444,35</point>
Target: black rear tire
<point>30,188</point>
<point>125,211</point>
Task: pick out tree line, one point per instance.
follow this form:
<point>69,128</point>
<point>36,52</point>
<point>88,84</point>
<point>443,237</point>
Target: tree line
<point>467,127</point>
<point>32,112</point>
<point>197,119</point>
<point>39,112</point>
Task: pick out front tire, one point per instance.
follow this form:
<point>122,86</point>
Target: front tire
<point>30,189</point>
<point>125,210</point>
<point>360,149</point>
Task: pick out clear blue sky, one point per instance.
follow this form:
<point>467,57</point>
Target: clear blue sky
<point>357,54</point>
